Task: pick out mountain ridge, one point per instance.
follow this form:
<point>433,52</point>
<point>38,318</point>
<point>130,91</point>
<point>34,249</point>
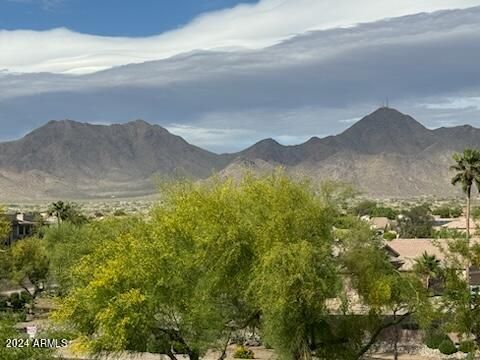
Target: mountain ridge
<point>386,153</point>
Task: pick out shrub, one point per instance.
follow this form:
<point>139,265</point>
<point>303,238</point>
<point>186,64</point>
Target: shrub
<point>389,235</point>
<point>448,211</point>
<point>3,303</point>
<point>467,346</point>
<point>26,297</point>
<point>434,339</point>
<point>16,302</point>
<point>241,352</point>
<point>447,347</point>
<point>119,213</point>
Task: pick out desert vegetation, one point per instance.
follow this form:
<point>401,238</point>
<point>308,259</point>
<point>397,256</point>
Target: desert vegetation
<point>289,263</point>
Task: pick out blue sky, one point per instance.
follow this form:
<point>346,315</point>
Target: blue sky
<point>134,18</point>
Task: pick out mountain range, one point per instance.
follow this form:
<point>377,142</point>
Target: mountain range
<point>385,154</point>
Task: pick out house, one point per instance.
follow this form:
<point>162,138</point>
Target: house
<point>404,252</point>
<point>460,224</point>
<point>22,226</point>
<point>379,223</point>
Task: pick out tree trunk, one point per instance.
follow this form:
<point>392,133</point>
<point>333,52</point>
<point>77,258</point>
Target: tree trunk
<point>396,335</point>
<point>193,355</point>
<point>223,354</point>
<point>467,270</point>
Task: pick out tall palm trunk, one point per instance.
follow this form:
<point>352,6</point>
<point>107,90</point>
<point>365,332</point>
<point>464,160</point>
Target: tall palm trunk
<point>467,270</point>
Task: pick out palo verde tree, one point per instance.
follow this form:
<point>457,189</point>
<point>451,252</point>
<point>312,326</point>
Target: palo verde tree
<point>467,170</point>
<point>5,226</point>
<point>267,253</point>
<point>29,264</point>
<point>206,265</point>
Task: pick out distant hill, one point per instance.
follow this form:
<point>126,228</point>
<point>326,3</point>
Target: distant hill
<point>68,158</point>
<point>385,154</point>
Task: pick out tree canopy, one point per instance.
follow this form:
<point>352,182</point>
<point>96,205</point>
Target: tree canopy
<point>269,253</point>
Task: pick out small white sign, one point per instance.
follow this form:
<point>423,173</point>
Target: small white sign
<point>32,331</point>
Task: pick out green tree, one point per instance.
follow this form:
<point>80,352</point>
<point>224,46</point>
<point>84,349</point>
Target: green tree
<point>467,170</point>
<point>67,211</point>
<point>268,254</point>
<point>5,227</point>
<point>372,208</point>
<point>417,223</point>
<point>458,309</point>
<point>428,266</point>
<point>448,211</point>
<point>67,244</point>
<point>365,207</point>
<point>29,264</point>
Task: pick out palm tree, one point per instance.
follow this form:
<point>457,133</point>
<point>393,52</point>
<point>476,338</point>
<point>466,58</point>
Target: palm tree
<point>60,209</point>
<point>468,173</point>
<point>428,266</point>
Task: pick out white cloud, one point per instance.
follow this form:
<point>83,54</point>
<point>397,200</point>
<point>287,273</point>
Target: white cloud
<point>245,26</point>
<point>213,138</point>
<point>455,104</point>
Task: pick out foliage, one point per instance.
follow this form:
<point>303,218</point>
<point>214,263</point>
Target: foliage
<point>467,346</point>
<point>448,211</point>
<point>373,209</point>
<point>447,347</point>
<point>29,263</point>
<point>5,265</point>
<point>3,303</point>
<point>67,211</point>
<point>476,212</point>
<point>217,257</point>
<point>242,352</point>
<point>119,212</point>
<point>467,167</point>
<point>417,223</point>
<point>458,309</point>
<point>434,339</point>
<point>5,226</point>
<point>428,267</point>
<point>389,235</point>
<point>18,353</point>
<point>67,244</point>
<point>448,234</point>
<point>19,300</point>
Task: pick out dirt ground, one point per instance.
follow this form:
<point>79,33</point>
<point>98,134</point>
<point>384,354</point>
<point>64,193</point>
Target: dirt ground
<point>260,354</point>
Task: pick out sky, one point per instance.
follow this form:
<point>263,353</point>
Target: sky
<point>133,18</point>
<point>225,73</point>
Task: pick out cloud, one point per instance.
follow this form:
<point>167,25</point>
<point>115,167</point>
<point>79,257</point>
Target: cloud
<point>313,84</point>
<point>245,26</point>
<point>455,103</point>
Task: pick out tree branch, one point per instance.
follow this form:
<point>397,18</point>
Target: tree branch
<point>377,332</point>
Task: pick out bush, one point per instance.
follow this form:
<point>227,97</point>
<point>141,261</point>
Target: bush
<point>467,346</point>
<point>389,235</point>
<point>448,211</point>
<point>434,339</point>
<point>241,352</point>
<point>3,303</point>
<point>119,213</point>
<point>16,302</point>
<point>447,347</point>
<point>26,297</point>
